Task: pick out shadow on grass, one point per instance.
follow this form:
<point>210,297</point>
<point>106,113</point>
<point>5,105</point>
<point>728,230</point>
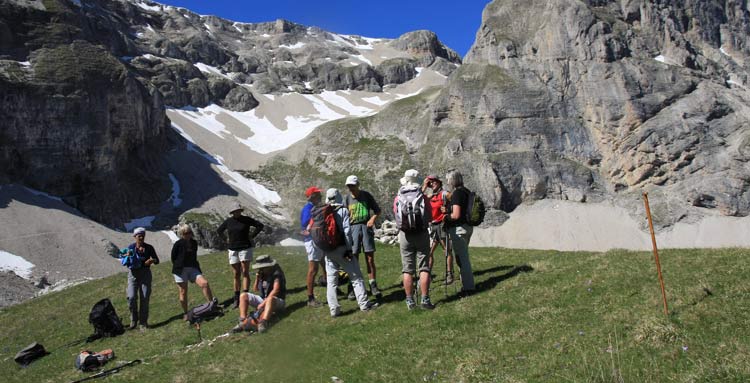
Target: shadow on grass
<point>491,282</point>
<point>167,321</point>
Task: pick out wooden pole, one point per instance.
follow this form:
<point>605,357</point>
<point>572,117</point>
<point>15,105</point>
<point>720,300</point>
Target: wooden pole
<point>656,253</point>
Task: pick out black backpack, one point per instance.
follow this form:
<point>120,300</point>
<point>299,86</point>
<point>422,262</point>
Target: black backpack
<point>105,320</point>
<point>29,354</point>
<point>204,311</point>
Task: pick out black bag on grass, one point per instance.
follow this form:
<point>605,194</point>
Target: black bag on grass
<point>29,354</point>
<point>204,311</point>
<point>105,320</point>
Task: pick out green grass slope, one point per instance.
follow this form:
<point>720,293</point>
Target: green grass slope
<point>540,316</point>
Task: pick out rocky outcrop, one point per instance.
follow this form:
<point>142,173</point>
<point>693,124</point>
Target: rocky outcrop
<point>572,100</point>
<point>76,124</point>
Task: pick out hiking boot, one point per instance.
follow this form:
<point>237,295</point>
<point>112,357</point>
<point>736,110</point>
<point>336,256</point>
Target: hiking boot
<point>336,313</point>
<point>370,305</point>
<point>351,295</point>
<point>244,325</point>
<point>375,291</point>
<point>262,327</point>
<point>133,325</point>
<point>410,304</point>
<point>449,278</point>
<point>426,304</point>
<point>314,303</point>
<point>144,327</point>
<point>465,293</point>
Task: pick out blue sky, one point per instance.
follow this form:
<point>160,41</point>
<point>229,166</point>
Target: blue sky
<point>456,22</point>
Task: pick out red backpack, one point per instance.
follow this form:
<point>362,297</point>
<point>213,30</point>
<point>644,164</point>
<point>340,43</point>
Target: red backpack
<point>323,230</point>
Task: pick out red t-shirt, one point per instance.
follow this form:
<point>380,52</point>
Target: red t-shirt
<point>436,202</point>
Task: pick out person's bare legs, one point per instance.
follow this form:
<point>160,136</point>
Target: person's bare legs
<point>408,285</point>
<point>237,274</point>
<point>245,266</point>
<point>183,296</point>
<point>203,284</point>
<point>312,270</point>
<point>370,260</point>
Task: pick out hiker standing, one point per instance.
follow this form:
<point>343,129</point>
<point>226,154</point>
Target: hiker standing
<point>340,256</point>
<point>413,215</point>
<point>438,199</point>
<point>459,229</point>
<point>270,282</point>
<point>140,257</point>
<point>185,267</point>
<point>360,204</point>
<point>314,255</point>
<point>240,246</point>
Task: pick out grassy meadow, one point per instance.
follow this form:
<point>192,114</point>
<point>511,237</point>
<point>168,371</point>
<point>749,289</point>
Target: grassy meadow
<point>538,316</point>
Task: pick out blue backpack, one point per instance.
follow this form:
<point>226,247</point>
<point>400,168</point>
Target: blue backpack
<point>129,258</point>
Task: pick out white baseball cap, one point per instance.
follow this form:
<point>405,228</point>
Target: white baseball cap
<point>352,180</point>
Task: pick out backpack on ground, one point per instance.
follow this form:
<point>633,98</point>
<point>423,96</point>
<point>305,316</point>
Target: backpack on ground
<point>29,354</point>
<point>325,234</point>
<point>476,209</point>
<point>204,311</point>
<point>411,215</point>
<point>90,361</point>
<point>105,320</point>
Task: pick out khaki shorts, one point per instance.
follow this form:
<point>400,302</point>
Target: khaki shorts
<point>437,232</point>
<point>237,256</point>
<point>415,250</point>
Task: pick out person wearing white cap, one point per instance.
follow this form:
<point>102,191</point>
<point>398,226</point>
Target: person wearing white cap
<point>413,215</point>
<point>240,245</point>
<point>341,258</point>
<point>140,257</point>
<point>363,211</point>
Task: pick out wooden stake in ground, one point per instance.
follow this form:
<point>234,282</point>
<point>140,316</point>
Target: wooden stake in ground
<point>656,252</point>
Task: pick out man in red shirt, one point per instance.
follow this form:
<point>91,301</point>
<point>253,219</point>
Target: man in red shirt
<point>438,199</point>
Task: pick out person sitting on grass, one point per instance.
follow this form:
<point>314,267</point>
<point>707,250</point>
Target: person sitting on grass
<point>185,267</point>
<point>270,282</point>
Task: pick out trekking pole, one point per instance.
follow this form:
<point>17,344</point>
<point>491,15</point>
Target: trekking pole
<point>656,253</point>
<point>111,371</point>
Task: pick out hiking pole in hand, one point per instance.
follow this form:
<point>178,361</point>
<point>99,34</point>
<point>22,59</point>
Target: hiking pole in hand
<point>656,253</point>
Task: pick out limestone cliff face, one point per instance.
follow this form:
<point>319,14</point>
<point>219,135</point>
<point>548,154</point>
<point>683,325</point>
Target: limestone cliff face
<point>76,123</point>
<point>584,101</point>
<point>633,94</point>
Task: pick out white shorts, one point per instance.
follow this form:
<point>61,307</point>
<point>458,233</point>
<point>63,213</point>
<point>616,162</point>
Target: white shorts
<point>255,300</point>
<point>188,274</point>
<point>244,255</point>
<point>313,253</point>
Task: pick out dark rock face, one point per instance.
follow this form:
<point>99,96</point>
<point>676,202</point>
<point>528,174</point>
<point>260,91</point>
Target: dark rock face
<point>84,87</point>
<point>76,122</point>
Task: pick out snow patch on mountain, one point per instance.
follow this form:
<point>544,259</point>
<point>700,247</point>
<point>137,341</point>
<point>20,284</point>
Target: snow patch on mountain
<point>16,264</point>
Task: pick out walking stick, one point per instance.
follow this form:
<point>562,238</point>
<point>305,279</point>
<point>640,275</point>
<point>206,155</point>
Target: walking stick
<point>656,253</point>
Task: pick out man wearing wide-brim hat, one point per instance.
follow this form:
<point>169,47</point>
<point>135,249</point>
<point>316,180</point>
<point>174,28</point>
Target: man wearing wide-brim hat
<point>270,282</point>
<point>240,245</point>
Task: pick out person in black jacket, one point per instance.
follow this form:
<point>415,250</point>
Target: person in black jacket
<point>240,246</point>
<point>140,257</point>
<point>185,267</point>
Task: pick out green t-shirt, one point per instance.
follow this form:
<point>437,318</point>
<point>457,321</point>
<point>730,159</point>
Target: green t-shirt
<point>359,208</point>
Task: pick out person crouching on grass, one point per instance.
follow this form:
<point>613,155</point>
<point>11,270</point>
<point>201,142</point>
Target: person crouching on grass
<point>270,282</point>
